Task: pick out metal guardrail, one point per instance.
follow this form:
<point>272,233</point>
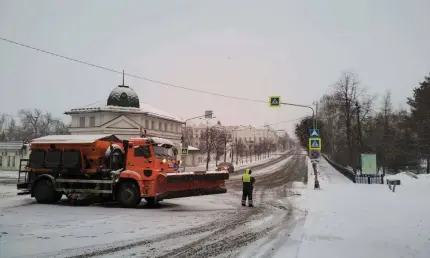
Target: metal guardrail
<point>358,179</point>
<point>343,170</point>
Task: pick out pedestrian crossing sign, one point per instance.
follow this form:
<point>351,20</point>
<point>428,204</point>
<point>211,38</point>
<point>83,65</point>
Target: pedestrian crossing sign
<point>275,101</point>
<point>314,143</point>
<point>185,151</point>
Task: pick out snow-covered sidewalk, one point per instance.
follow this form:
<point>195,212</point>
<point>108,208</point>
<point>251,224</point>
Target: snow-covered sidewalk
<point>344,219</point>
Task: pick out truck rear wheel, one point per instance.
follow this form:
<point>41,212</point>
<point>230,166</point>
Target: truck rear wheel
<point>45,193</point>
<point>128,195</point>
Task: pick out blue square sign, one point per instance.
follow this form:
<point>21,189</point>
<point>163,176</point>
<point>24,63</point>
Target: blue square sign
<point>314,133</point>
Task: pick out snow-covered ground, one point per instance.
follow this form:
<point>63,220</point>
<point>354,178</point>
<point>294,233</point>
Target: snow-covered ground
<point>28,229</point>
<point>358,220</point>
<point>342,219</point>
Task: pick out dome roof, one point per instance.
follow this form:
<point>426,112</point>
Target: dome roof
<point>123,96</point>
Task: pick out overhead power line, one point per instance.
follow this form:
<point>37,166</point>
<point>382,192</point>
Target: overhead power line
<point>130,75</point>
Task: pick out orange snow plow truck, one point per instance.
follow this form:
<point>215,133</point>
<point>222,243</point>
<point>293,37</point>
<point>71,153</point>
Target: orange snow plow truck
<point>104,168</point>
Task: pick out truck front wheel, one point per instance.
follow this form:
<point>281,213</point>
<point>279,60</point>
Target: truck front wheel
<point>44,192</point>
<point>128,194</point>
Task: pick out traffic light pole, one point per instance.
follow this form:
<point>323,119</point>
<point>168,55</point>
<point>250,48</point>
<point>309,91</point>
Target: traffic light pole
<point>314,125</point>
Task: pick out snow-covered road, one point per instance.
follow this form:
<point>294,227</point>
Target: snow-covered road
<point>188,227</point>
<point>290,220</point>
<point>358,220</point>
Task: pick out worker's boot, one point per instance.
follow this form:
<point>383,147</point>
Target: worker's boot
<point>250,204</point>
<point>243,203</point>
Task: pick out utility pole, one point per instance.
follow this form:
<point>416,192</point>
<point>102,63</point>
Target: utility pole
<point>360,143</point>
<point>316,115</point>
<point>232,145</point>
<point>236,152</point>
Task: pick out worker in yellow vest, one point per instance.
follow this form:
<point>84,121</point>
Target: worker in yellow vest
<point>248,187</point>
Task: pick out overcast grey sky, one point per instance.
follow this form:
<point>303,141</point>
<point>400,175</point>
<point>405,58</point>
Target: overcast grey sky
<point>247,48</point>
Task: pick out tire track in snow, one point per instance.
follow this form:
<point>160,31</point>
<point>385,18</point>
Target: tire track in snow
<point>104,249</point>
<point>227,240</point>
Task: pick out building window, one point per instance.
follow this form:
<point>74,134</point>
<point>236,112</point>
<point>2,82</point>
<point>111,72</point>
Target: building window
<point>152,125</point>
<point>165,127</point>
<point>160,126</point>
<point>8,161</point>
<point>1,161</point>
<point>92,121</point>
<point>13,161</point>
<point>147,124</point>
<point>82,122</point>
<point>171,127</point>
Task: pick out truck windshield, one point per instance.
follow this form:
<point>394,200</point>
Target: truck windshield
<point>163,152</point>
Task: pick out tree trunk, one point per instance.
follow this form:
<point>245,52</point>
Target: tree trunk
<point>225,150</point>
<point>208,158</point>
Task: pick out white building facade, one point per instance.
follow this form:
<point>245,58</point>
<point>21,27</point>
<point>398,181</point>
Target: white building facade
<point>248,135</point>
<point>125,116</point>
<point>11,154</point>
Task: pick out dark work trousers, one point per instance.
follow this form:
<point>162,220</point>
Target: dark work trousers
<point>247,193</point>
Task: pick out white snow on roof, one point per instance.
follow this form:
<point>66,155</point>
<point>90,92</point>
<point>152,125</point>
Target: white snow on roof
<point>89,138</point>
<point>191,148</point>
<point>12,145</point>
<point>144,108</point>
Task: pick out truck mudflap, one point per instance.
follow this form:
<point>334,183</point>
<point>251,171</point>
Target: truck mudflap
<point>197,176</point>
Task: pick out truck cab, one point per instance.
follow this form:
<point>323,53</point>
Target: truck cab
<point>152,153</point>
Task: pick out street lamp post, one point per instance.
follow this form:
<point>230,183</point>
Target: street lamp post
<point>304,106</point>
<point>185,139</point>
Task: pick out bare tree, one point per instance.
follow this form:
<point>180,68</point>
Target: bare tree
<point>13,131</point>
<point>221,145</point>
<point>31,121</point>
<point>240,148</point>
<point>210,139</point>
<point>36,123</point>
<point>59,127</point>
<point>349,95</point>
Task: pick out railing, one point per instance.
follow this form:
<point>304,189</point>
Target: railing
<point>369,179</point>
<point>358,179</point>
<point>343,170</point>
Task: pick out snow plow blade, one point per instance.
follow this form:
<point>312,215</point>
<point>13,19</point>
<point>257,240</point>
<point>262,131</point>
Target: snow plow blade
<point>197,176</point>
<point>193,192</point>
<point>197,183</point>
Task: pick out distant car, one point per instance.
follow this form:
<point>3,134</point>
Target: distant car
<point>225,166</point>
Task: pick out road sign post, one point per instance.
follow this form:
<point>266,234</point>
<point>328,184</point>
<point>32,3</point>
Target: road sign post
<point>314,152</point>
<point>314,155</point>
